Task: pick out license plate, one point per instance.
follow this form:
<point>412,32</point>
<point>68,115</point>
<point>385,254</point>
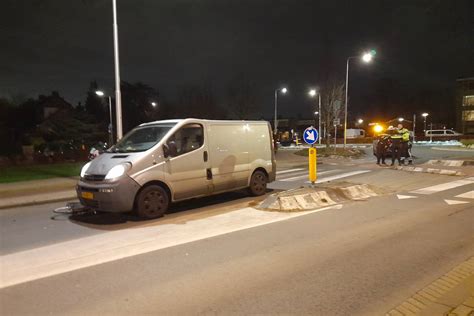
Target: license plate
<point>87,195</point>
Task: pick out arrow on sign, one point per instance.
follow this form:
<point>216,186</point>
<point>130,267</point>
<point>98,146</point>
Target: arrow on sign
<point>310,135</point>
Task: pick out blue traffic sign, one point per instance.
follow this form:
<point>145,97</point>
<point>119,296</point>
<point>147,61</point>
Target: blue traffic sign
<point>310,135</point>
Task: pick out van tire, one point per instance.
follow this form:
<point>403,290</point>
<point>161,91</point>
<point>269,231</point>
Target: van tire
<point>152,202</point>
<point>258,183</point>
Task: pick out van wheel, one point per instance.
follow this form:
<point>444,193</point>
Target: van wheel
<point>152,202</point>
<point>258,183</point>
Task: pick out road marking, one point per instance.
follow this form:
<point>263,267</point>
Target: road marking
<point>444,186</point>
<point>306,175</point>
<point>454,202</point>
<point>467,195</point>
<point>340,176</point>
<point>289,170</point>
<point>88,251</point>
<point>404,197</point>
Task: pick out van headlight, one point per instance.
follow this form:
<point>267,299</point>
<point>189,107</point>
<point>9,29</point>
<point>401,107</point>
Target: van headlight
<point>117,171</point>
<point>84,169</point>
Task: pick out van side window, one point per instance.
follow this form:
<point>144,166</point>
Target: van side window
<point>188,138</point>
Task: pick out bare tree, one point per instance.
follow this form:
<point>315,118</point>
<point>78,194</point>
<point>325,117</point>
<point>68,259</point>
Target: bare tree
<point>332,105</point>
<point>198,101</point>
<point>242,97</point>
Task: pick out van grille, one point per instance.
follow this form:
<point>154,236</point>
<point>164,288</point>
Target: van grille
<point>94,177</point>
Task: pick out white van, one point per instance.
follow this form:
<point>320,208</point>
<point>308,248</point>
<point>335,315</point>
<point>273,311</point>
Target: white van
<point>355,133</point>
<point>166,161</point>
<point>441,133</point>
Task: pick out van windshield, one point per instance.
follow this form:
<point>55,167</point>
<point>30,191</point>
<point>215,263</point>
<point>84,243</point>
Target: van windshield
<point>141,138</point>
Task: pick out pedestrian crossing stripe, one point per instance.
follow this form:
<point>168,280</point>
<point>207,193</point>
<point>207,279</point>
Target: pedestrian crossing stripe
<point>454,202</point>
<point>404,197</point>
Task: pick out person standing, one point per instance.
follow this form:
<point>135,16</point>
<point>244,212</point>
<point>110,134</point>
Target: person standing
<point>396,147</point>
<point>405,139</point>
<point>381,149</point>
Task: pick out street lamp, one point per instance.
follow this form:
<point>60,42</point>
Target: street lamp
<point>153,104</point>
<point>366,58</point>
<point>283,90</point>
<point>118,97</point>
<point>111,127</point>
<point>360,121</point>
<point>424,121</point>
<point>401,119</point>
<point>313,93</point>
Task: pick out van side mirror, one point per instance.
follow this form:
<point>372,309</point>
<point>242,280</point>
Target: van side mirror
<point>166,151</point>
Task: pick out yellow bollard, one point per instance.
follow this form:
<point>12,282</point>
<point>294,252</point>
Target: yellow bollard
<point>312,158</point>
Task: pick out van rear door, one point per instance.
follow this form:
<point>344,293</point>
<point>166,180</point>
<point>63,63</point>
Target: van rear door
<point>187,164</point>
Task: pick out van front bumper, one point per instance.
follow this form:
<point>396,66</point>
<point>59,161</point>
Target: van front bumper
<point>115,196</point>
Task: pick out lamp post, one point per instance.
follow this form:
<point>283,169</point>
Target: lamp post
<point>118,97</point>
<point>366,58</point>
<point>275,121</point>
<point>312,93</point>
<point>111,127</point>
<point>424,121</point>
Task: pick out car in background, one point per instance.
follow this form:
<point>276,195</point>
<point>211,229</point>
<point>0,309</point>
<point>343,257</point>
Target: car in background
<point>441,133</point>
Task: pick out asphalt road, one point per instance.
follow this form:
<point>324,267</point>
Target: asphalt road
<point>363,258</point>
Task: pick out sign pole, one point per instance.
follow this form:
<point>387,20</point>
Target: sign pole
<point>312,160</point>
<point>310,136</point>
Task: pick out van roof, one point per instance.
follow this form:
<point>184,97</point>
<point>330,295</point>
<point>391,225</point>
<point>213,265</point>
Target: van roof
<point>175,121</point>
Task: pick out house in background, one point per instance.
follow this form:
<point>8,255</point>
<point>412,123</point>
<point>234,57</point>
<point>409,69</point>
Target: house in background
<point>465,105</point>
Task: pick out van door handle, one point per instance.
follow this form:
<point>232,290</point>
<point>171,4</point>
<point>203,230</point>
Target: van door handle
<point>205,156</point>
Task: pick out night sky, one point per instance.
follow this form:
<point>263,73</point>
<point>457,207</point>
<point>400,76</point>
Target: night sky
<point>422,47</point>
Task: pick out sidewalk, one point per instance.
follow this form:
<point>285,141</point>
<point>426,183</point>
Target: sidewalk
<point>37,191</point>
<point>451,295</point>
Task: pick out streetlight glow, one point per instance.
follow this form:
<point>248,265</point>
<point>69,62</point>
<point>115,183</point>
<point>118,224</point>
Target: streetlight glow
<point>100,93</point>
<point>316,113</point>
<point>424,115</point>
<point>312,92</point>
<point>284,90</point>
<point>401,119</point>
<point>153,103</point>
<point>360,121</point>
<point>367,57</point>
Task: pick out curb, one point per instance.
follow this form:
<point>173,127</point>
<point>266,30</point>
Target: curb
<point>450,163</point>
<point>431,170</point>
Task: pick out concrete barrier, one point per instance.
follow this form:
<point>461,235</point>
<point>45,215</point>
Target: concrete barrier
<point>305,199</point>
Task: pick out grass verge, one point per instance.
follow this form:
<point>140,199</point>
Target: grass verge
<point>467,142</point>
<point>38,172</point>
<point>339,152</point>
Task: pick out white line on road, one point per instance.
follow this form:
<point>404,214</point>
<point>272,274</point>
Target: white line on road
<point>454,202</point>
<point>84,252</point>
<point>306,175</point>
<point>444,186</point>
<point>340,176</point>
<point>404,197</point>
<point>289,170</point>
<point>467,195</point>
